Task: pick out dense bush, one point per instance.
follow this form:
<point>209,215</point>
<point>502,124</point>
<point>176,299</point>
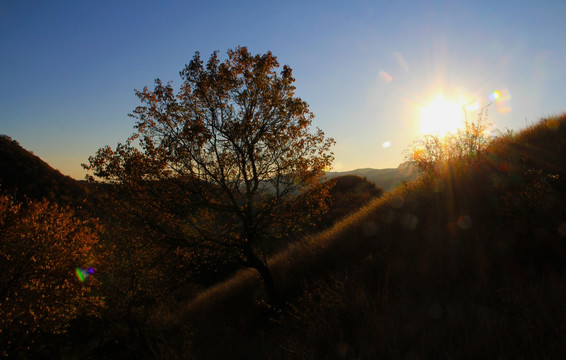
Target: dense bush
<point>48,263</point>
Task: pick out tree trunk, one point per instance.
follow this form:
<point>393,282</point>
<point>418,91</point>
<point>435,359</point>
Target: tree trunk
<point>256,263</point>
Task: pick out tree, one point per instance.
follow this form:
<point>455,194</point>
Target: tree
<point>47,256</point>
<point>226,162</point>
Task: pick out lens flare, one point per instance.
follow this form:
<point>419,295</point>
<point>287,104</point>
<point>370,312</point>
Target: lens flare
<point>464,222</point>
<point>83,274</point>
<point>495,96</point>
<point>383,75</point>
<point>501,98</point>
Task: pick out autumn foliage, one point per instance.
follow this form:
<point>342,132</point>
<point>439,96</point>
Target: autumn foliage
<point>226,162</point>
<point>43,249</point>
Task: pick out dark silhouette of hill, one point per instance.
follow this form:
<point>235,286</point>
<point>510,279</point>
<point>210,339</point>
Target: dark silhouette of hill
<point>354,184</point>
<point>385,179</point>
<point>348,194</point>
<point>24,175</point>
<point>468,263</point>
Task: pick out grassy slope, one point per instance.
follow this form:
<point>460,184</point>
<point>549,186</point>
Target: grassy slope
<point>467,265</point>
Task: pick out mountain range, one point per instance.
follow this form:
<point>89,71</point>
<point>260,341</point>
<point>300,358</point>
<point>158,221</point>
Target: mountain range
<point>23,174</point>
<point>386,179</point>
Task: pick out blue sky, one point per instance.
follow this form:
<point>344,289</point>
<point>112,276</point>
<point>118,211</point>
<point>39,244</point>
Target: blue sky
<point>68,69</point>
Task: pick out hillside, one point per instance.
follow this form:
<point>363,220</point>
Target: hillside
<point>466,264</point>
<point>347,195</point>
<point>25,175</point>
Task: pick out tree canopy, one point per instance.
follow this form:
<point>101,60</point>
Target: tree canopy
<point>47,255</point>
<point>226,161</point>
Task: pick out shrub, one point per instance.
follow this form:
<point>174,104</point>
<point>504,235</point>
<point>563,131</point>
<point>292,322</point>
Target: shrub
<point>47,261</point>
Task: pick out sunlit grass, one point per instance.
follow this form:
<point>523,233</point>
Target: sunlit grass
<point>431,264</point>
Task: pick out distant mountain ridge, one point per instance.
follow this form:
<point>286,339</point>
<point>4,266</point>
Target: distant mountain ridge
<point>25,175</point>
<point>386,179</point>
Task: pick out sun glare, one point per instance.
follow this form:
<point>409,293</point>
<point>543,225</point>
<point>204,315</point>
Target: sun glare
<point>441,117</point>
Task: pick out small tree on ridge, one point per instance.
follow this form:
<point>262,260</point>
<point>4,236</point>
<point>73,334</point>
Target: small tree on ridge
<point>432,152</point>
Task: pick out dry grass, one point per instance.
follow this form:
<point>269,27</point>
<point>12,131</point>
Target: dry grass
<point>467,265</point>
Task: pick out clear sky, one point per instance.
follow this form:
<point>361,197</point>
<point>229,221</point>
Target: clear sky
<point>68,69</point>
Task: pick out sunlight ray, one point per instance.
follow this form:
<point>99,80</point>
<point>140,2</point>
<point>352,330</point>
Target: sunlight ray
<point>441,116</point>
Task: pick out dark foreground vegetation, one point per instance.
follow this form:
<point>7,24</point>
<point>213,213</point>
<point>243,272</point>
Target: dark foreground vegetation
<point>467,262</point>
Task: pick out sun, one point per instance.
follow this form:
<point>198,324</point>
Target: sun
<point>441,116</point>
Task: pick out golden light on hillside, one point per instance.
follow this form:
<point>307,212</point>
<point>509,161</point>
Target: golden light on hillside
<point>441,116</point>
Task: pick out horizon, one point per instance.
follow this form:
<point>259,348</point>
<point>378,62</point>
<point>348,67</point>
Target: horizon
<point>6,136</point>
<point>366,69</point>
